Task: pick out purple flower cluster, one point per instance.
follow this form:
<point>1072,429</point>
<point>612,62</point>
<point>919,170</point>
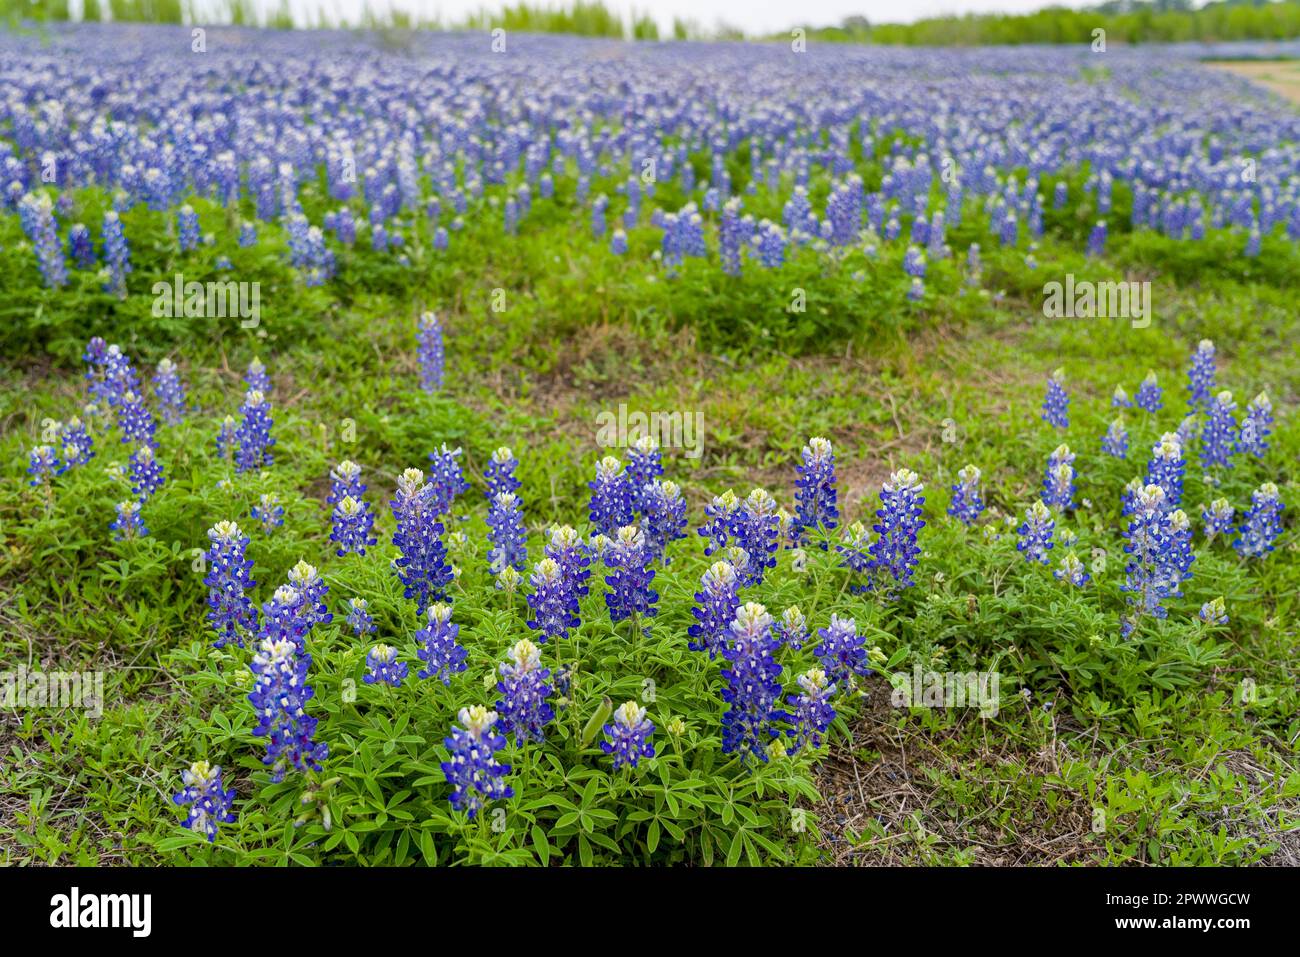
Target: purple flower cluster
<point>716,604</point>
<point>428,335</point>
<point>628,736</point>
<point>230,610</point>
<point>1261,525</point>
<point>471,768</point>
<point>628,560</point>
<point>611,496</point>
<point>439,650</point>
<point>753,692</point>
<point>210,803</point>
<point>967,503</point>
<point>1056,405</point>
<point>279,698</point>
<point>523,707</point>
<point>422,566</point>
<point>815,495</point>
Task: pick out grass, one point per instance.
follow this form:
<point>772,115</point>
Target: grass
<point>1177,747</point>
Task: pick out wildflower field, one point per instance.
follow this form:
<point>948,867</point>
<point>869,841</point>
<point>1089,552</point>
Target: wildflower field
<point>492,448</point>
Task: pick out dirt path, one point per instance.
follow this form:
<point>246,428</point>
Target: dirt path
<point>1280,76</point>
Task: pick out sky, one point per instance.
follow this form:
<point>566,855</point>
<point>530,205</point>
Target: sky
<point>751,16</point>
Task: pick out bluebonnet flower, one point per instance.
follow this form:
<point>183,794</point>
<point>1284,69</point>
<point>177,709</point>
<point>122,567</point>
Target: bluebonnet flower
<point>255,377</point>
<point>382,667</point>
<point>1218,516</point>
<point>119,377</point>
<point>1201,377</point>
<point>210,803</point>
<point>665,517</point>
<point>628,736</point>
<point>755,528</point>
<point>279,699</point>
<point>1180,551</point>
<point>611,496</point>
<point>720,512</point>
<point>500,473</point>
<point>1119,399</point>
<point>428,335</point>
<point>967,502</point>
<point>1214,612</point>
<point>792,629</point>
<point>1166,468</point>
<point>187,224</point>
<point>269,512</point>
<point>135,421</point>
<point>553,602</point>
<point>618,242</point>
<point>717,602</point>
<point>1262,524</point>
<point>230,611</point>
<point>422,567</point>
<point>628,560</point>
<point>281,620</point>
<point>1256,426</point>
<point>117,254</point>
<point>895,550</point>
<point>472,770</point>
<point>254,433</point>
<point>353,525</point>
<point>359,618</point>
<point>78,449</point>
<point>227,438</point>
<point>439,650</point>
<point>128,524</point>
<point>753,689</point>
<point>1150,569</point>
<point>1056,406</point>
<point>247,235</point>
<point>811,712</point>
<point>507,579</point>
<point>43,465</point>
<point>523,707</point>
<point>1058,483</point>
<point>1097,239</point>
<point>815,495</point>
<point>1220,432</point>
<point>842,651</point>
<point>1115,441</point>
<point>644,465</point>
<point>80,247</point>
<point>36,211</point>
<point>854,549</point>
<point>567,550</point>
<point>1149,394</point>
<point>1036,533</point>
<point>345,482</point>
<point>916,290</point>
<point>311,589</point>
<point>146,473</point>
<point>1071,570</point>
<point>170,393</point>
<point>446,478</point>
<point>506,531</point>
